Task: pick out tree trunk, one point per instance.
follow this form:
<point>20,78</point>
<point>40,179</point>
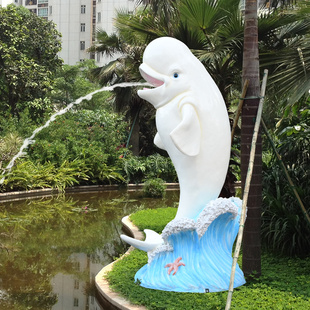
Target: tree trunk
<point>134,139</point>
<point>251,242</point>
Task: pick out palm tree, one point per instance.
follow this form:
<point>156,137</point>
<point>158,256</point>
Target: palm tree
<point>250,70</point>
<point>167,10</point>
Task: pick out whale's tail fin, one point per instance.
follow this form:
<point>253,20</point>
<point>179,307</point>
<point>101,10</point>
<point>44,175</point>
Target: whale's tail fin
<point>152,240</point>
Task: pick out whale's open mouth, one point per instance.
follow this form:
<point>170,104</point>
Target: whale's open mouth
<point>150,79</point>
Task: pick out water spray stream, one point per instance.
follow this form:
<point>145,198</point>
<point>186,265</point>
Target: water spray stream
<point>30,140</point>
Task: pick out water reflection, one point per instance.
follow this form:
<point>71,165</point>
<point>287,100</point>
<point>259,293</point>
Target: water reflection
<point>71,290</point>
<point>52,248</point>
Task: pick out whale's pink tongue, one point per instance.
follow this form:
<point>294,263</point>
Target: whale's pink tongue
<point>151,79</point>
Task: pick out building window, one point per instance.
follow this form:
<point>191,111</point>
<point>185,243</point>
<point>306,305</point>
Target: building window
<point>42,1</point>
<point>82,45</point>
<point>75,302</point>
<point>51,10</point>
<point>99,17</point>
<point>98,57</point>
<point>76,284</point>
<point>31,2</point>
<point>83,9</point>
<point>83,27</point>
<point>43,12</point>
<point>34,11</point>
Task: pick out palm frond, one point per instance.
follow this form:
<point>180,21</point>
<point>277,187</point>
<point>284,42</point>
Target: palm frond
<point>292,69</point>
<point>106,44</point>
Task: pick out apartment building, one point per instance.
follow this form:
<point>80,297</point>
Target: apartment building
<point>77,21</point>
<point>4,3</point>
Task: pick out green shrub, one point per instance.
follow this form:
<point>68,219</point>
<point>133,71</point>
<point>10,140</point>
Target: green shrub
<point>9,146</point>
<point>137,169</point>
<point>82,134</point>
<point>158,166</point>
<point>134,168</point>
<point>27,175</point>
<point>22,125</point>
<point>284,226</point>
<point>154,188</point>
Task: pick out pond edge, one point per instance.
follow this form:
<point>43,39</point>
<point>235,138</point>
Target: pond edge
<point>16,195</point>
<point>108,297</point>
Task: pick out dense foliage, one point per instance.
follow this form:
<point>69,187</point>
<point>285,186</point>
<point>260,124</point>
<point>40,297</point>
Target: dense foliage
<point>80,147</point>
<point>285,227</point>
<point>28,60</point>
<point>138,168</point>
<point>155,188</point>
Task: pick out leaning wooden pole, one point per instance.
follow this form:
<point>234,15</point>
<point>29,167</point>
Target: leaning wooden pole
<point>244,90</point>
<point>246,191</point>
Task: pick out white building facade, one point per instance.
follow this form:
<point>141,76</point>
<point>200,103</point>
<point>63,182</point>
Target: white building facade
<point>77,21</point>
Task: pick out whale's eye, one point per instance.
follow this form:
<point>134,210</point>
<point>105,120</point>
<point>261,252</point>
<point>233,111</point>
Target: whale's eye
<point>175,75</point>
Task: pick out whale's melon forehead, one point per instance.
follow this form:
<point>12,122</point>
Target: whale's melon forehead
<point>166,50</point>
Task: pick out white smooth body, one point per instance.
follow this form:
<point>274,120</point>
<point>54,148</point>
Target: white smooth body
<point>191,120</point>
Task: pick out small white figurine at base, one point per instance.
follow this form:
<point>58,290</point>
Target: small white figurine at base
<point>193,127</point>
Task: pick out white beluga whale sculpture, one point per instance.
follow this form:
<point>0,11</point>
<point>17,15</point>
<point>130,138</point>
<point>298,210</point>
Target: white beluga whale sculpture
<point>191,119</point>
<point>193,127</point>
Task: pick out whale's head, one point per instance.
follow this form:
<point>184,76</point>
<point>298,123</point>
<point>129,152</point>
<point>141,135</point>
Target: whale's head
<point>168,65</point>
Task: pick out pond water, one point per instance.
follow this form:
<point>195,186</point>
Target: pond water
<point>51,248</point>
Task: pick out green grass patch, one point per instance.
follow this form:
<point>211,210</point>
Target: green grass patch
<point>284,284</point>
<point>155,219</point>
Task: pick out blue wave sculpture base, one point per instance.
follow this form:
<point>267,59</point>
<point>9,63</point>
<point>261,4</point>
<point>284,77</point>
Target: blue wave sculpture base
<point>196,255</point>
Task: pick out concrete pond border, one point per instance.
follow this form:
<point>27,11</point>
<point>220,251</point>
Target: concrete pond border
<point>17,195</point>
<point>107,297</point>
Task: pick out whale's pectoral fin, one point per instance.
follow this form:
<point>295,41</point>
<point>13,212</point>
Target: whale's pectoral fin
<point>158,142</point>
<point>152,240</point>
<point>187,135</point>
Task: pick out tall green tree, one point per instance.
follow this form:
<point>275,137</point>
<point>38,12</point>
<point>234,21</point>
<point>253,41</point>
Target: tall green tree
<point>72,82</point>
<point>28,57</point>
